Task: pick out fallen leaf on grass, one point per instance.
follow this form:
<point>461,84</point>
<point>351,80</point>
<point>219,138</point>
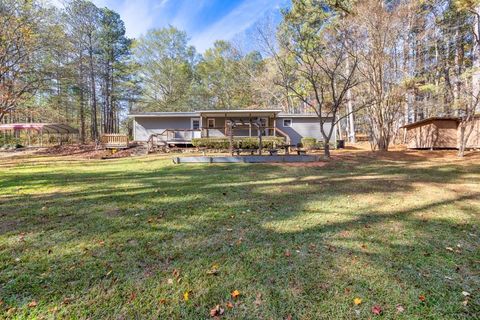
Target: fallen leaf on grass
<point>357,301</point>
<point>449,248</point>
<point>132,297</point>
<point>186,295</point>
<point>170,281</point>
<point>400,308</point>
<point>176,273</point>
<point>163,301</point>
<point>465,293</point>
<point>465,302</point>
<point>422,298</point>
<point>11,311</point>
<point>377,310</point>
<point>32,304</point>
<point>53,309</point>
<point>213,270</point>
<point>229,305</point>
<point>235,294</point>
<point>258,299</point>
<point>287,253</point>
<point>217,311</point>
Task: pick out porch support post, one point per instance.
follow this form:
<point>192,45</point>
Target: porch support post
<point>250,125</point>
<point>260,144</point>
<point>230,136</point>
<point>225,124</point>
<point>274,124</point>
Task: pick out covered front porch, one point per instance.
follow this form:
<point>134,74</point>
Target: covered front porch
<point>223,123</point>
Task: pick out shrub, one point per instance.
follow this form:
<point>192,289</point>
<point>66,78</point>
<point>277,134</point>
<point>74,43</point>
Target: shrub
<point>309,143</point>
<point>9,141</point>
<point>211,143</point>
<point>241,143</point>
<point>312,144</point>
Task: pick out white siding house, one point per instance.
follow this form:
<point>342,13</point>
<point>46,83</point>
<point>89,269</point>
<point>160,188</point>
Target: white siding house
<point>184,126</point>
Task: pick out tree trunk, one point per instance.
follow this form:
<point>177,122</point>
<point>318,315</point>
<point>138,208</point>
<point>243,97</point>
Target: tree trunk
<point>82,102</point>
<point>94,127</point>
<point>82,117</point>
<point>351,119</point>
<point>326,149</point>
<point>461,147</point>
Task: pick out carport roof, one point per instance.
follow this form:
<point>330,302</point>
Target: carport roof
<point>40,127</point>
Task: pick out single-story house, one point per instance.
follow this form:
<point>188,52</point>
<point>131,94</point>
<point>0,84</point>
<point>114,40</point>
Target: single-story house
<point>182,127</point>
<point>440,133</point>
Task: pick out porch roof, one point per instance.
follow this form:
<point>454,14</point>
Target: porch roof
<point>238,113</point>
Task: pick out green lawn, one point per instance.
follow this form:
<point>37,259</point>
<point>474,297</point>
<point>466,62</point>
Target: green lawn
<point>126,239</point>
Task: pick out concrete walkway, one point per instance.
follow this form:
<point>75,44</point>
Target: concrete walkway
<point>247,159</point>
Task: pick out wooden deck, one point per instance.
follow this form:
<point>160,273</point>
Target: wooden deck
<point>114,141</point>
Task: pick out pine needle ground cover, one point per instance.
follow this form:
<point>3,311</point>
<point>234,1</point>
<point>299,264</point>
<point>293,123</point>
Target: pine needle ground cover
<point>393,237</point>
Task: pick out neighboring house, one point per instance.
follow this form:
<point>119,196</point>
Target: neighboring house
<point>182,127</point>
<point>440,133</point>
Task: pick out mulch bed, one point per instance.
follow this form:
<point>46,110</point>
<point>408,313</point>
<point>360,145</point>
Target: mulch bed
<point>85,151</point>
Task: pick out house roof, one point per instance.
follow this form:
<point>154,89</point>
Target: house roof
<point>212,113</point>
<point>427,120</point>
<point>40,127</point>
<point>163,114</point>
<point>298,115</point>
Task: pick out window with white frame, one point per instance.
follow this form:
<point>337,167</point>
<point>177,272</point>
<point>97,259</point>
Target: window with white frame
<point>195,124</point>
<point>211,123</point>
<point>287,122</point>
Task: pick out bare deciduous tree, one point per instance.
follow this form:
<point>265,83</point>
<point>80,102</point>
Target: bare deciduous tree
<point>23,40</point>
<point>378,34</point>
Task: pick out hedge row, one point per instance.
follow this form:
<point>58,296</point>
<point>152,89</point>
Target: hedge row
<point>238,143</point>
<point>312,144</point>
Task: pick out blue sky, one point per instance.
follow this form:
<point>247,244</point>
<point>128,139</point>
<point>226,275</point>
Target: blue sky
<point>204,20</point>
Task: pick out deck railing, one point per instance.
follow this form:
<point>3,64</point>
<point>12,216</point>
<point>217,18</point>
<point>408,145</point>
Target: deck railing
<point>114,140</point>
<point>246,131</point>
<point>180,136</point>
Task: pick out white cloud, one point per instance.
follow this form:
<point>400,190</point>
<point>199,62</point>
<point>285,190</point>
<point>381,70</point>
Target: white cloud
<point>138,16</point>
<point>160,4</point>
<point>188,13</point>
<point>237,21</point>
